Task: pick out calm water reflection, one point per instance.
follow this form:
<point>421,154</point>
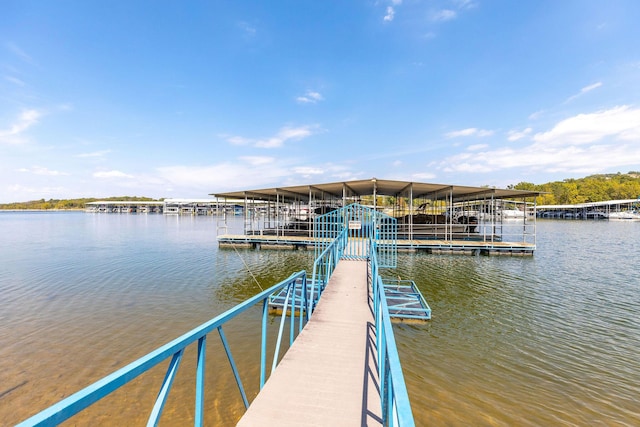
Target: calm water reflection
<point>529,341</point>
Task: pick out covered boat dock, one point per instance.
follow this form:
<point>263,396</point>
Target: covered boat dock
<point>435,218</point>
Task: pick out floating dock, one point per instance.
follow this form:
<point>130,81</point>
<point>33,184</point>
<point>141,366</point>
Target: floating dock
<point>404,299</point>
<point>449,247</point>
<point>432,218</point>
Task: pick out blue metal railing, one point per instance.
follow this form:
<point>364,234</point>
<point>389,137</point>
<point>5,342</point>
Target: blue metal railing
<point>363,223</point>
<point>75,403</point>
<point>396,408</point>
<point>405,301</point>
<point>394,398</point>
<point>360,232</point>
<point>323,267</point>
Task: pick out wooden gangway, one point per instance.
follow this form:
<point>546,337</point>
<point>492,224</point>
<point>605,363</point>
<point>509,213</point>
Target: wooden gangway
<point>329,376</point>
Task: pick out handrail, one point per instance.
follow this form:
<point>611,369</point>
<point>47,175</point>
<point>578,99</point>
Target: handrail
<point>396,408</point>
<point>394,398</point>
<point>370,229</point>
<point>82,399</point>
<point>323,267</point>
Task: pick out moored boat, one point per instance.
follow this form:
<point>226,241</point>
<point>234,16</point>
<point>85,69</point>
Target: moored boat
<point>624,216</point>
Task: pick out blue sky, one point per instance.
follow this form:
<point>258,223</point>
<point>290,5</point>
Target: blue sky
<point>182,99</point>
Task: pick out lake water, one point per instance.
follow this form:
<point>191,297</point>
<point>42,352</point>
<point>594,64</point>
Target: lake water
<point>551,339</point>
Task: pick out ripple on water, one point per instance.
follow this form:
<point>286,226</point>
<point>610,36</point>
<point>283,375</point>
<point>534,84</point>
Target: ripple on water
<point>547,340</point>
<point>525,341</point>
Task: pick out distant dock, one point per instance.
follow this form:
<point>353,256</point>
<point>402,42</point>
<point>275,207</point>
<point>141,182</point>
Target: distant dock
<point>166,207</point>
<point>608,209</point>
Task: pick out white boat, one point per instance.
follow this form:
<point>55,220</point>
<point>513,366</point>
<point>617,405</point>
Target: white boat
<point>511,214</point>
<point>503,215</point>
<point>624,216</point>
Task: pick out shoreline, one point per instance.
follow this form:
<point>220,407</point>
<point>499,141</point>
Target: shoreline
<point>41,210</point>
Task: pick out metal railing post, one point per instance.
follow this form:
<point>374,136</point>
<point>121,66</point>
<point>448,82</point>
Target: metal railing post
<point>200,370</point>
<point>263,346</point>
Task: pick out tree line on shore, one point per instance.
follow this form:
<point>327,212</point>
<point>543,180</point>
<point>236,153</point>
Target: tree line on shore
<point>593,188</point>
<point>67,204</point>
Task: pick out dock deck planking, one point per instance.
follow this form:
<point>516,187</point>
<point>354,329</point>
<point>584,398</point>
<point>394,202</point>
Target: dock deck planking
<point>329,375</point>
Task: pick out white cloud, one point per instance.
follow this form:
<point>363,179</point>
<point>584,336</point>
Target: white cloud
<point>345,175</point>
<point>422,176</point>
<point>586,143</point>
<point>590,87</point>
<point>514,135</point>
<point>222,177</point>
<point>101,153</point>
<point>39,170</point>
<point>477,147</point>
<point>390,14</point>
<point>19,52</point>
<point>310,97</point>
<point>391,10</point>
<point>111,174</point>
<point>465,4</point>
<point>458,6</point>
<point>536,115</point>
<point>18,192</point>
<point>257,160</point>
<point>570,159</point>
<point>238,140</point>
<point>25,120</point>
<point>15,81</point>
<point>469,132</point>
<point>284,134</point>
<point>187,180</point>
<point>444,15</point>
<point>308,170</point>
<point>249,30</point>
<point>619,122</point>
<point>583,91</point>
<point>463,132</point>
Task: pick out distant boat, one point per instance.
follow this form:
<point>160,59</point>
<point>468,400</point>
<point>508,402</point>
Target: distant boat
<point>625,216</point>
<point>511,213</point>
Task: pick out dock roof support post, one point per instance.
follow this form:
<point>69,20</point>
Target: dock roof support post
<point>411,212</point>
<point>278,214</point>
<point>374,193</point>
<point>309,216</point>
<point>535,220</point>
<point>344,194</point>
<point>246,212</point>
<point>494,217</point>
<point>450,216</point>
